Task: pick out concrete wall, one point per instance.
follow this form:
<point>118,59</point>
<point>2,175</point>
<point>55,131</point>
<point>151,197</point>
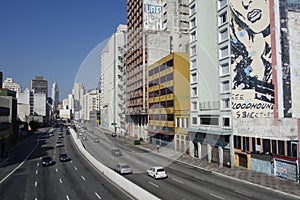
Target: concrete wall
<point>261,166</point>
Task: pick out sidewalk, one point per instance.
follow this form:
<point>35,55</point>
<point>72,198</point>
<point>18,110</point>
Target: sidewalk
<point>239,174</point>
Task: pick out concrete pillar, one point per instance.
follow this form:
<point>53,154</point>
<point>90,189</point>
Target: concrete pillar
<point>191,149</point>
<point>209,153</point>
<point>199,150</point>
<point>221,161</point>
<point>231,150</point>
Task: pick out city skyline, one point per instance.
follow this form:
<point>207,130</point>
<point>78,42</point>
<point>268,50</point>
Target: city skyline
<point>55,40</point>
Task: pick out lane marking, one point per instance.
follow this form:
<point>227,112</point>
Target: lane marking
<point>154,184</point>
<point>35,183</point>
<point>83,178</point>
<point>53,156</point>
<point>36,171</point>
<point>241,193</point>
<point>177,180</point>
<point>8,175</point>
<point>97,195</point>
<point>67,197</point>
<point>71,161</point>
<point>154,160</point>
<point>60,180</point>
<point>76,168</point>
<point>56,169</point>
<point>35,198</point>
<point>37,164</point>
<point>211,194</point>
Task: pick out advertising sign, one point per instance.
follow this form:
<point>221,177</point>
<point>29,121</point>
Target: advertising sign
<point>152,15</point>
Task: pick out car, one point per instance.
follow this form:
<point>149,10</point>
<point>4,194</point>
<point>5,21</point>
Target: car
<point>157,172</point>
<point>47,161</point>
<point>123,168</point>
<point>59,144</point>
<point>116,152</point>
<point>84,138</point>
<point>64,157</point>
<point>96,140</point>
<point>113,134</point>
<point>60,136</point>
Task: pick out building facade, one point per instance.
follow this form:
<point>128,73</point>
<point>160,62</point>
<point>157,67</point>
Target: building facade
<point>55,96</point>
<point>39,85</point>
<point>169,101</point>
<point>113,78</point>
<point>9,83</point>
<point>78,91</point>
<point>91,103</point>
<point>156,28</point>
<point>248,106</point>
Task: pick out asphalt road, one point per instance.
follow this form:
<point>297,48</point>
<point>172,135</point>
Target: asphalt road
<point>184,181</point>
<point>24,177</point>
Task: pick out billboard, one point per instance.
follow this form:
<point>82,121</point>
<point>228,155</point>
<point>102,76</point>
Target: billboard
<point>251,59</point>
<point>152,15</point>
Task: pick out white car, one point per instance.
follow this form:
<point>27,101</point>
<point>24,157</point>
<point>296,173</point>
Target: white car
<point>157,172</point>
<point>123,168</point>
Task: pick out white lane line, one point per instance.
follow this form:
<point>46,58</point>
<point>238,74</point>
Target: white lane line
<point>36,171</point>
<point>154,160</point>
<point>53,156</point>
<point>56,169</point>
<point>35,198</point>
<point>60,180</point>
<point>37,164</point>
<point>177,180</point>
<point>153,184</point>
<point>67,197</point>
<point>98,196</point>
<point>137,161</point>
<point>71,161</point>
<point>216,196</point>
<point>35,183</point>
<point>76,168</point>
<point>83,178</point>
<point>8,175</point>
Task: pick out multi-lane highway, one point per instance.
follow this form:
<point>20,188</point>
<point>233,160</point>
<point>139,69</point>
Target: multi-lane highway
<point>184,182</point>
<point>24,177</point>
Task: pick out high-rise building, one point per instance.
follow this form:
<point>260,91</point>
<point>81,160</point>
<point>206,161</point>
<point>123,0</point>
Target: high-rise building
<point>9,83</point>
<point>113,78</point>
<point>55,96</point>
<point>78,91</point>
<point>39,85</point>
<point>242,70</point>
<point>156,28</point>
<point>91,103</point>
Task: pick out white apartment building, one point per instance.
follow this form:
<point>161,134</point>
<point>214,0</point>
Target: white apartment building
<point>91,102</point>
<point>55,96</point>
<point>24,105</point>
<point>78,91</point>
<point>9,83</point>
<point>113,78</point>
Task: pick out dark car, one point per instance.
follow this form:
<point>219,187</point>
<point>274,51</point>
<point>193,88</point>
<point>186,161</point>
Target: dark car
<point>113,134</point>
<point>47,161</point>
<point>64,157</point>
<point>116,152</point>
<point>59,144</point>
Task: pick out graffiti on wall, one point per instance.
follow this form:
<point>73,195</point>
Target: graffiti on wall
<point>251,66</point>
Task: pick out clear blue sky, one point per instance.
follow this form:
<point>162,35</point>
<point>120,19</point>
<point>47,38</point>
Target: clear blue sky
<point>52,38</point>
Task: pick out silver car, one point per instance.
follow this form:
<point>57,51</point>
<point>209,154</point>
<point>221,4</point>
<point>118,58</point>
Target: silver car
<point>123,168</point>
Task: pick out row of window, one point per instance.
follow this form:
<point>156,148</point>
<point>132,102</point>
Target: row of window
<point>162,67</point>
<point>211,120</point>
<point>162,104</point>
<point>164,117</point>
<point>161,79</point>
<point>252,144</point>
<point>161,92</point>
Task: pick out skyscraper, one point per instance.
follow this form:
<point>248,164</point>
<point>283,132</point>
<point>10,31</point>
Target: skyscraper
<point>9,83</point>
<point>39,85</point>
<point>156,28</point>
<point>55,96</point>
<point>78,91</point>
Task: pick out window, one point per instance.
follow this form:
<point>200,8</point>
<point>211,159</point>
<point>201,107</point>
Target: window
<point>209,120</point>
<point>163,91</point>
<point>194,105</point>
<point>170,117</point>
<point>280,147</point>
<point>274,147</point>
<point>162,67</point>
<point>225,86</point>
<point>194,91</point>
<point>193,64</point>
<point>193,50</point>
<point>187,122</point>
<point>222,18</point>
<point>222,3</point>
<point>182,122</point>
<point>162,79</point>
<point>193,23</point>
<point>177,122</point>
<point>193,36</point>
<point>223,35</point>
<point>237,142</point>
<point>224,52</point>
<point>225,69</point>
<point>246,146</point>
<point>193,9</point>
<point>194,77</point>
<point>226,103</point>
<point>194,120</point>
<point>226,122</point>
<point>170,63</point>
<point>170,103</point>
<point>170,90</point>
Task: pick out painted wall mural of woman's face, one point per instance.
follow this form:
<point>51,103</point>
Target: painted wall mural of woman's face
<point>254,13</point>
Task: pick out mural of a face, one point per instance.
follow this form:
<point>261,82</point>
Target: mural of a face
<point>254,13</point>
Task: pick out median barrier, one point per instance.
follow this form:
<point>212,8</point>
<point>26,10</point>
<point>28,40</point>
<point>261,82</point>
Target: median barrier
<point>131,188</point>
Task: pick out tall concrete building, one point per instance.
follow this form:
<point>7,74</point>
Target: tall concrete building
<point>78,91</point>
<point>156,28</point>
<point>91,103</point>
<point>55,96</point>
<point>9,83</point>
<point>113,78</point>
<point>242,69</point>
<point>39,85</point>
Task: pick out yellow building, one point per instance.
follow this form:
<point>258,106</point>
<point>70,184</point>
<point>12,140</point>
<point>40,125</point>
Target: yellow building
<point>169,100</point>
